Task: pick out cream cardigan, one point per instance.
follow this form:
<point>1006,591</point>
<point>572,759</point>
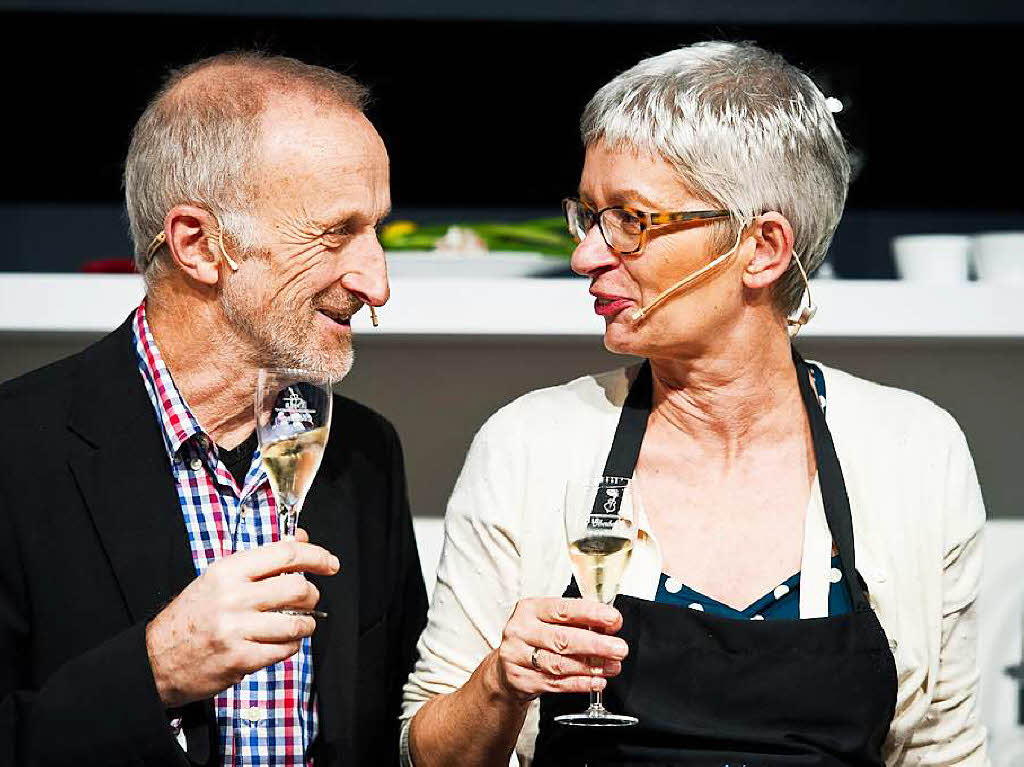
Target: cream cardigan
<point>917,517</point>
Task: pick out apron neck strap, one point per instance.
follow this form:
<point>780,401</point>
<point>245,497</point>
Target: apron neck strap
<point>830,479</point>
<point>629,433</point>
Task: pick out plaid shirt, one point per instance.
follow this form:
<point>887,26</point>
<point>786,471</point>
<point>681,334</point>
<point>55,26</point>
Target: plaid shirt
<point>270,717</point>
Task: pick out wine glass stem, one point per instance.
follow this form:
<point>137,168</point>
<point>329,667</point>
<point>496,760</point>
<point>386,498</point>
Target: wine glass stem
<point>596,700</point>
<point>287,521</point>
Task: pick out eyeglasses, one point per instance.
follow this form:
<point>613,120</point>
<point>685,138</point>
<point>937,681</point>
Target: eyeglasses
<point>625,229</point>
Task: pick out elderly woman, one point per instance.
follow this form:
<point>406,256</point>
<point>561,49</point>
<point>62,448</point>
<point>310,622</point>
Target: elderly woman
<point>802,586</point>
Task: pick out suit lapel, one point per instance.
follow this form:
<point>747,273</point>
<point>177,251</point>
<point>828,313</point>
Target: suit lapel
<point>119,462</point>
<point>329,517</point>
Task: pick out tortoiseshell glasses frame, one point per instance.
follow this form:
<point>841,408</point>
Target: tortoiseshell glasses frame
<point>623,228</point>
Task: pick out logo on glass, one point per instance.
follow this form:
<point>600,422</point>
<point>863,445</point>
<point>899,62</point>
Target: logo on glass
<point>293,409</point>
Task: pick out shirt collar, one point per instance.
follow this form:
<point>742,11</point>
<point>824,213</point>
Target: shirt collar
<point>178,424</point>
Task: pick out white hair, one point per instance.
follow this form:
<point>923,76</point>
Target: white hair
<point>744,129</point>
<point>195,143</point>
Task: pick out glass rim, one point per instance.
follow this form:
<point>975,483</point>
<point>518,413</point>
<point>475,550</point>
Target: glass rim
<point>318,376</point>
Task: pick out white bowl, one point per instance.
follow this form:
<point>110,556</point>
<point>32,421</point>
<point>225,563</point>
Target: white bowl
<point>931,257</point>
<point>999,257</point>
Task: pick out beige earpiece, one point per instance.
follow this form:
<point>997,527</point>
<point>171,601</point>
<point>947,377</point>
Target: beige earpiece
<point>806,314</point>
<point>160,238</point>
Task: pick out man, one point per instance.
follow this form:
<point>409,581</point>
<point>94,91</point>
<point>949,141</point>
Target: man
<point>141,586</point>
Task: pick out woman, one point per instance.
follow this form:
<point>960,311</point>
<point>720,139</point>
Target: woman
<point>802,587</point>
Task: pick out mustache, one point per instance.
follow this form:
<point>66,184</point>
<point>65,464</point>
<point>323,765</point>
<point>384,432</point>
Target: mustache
<point>342,303</point>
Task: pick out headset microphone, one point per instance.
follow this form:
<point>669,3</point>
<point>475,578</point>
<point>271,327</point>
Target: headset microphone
<point>794,323</point>
<point>643,311</point>
<point>807,313</point>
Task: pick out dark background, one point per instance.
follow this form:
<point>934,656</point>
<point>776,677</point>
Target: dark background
<point>479,103</point>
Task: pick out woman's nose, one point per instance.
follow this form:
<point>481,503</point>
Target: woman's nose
<point>592,254</point>
<point>368,276</point>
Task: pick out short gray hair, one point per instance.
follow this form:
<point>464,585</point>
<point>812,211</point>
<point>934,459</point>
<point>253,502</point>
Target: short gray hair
<point>196,140</point>
<point>744,129</point>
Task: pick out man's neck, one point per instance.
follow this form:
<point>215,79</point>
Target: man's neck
<point>211,366</point>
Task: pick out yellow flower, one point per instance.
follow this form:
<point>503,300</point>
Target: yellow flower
<point>397,229</point>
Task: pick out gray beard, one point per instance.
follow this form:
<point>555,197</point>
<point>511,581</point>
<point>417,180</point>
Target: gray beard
<point>284,341</point>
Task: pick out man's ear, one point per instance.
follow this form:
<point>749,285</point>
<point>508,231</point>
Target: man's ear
<point>773,250</point>
<point>192,235</point>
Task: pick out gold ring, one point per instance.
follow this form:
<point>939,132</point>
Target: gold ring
<point>533,659</point>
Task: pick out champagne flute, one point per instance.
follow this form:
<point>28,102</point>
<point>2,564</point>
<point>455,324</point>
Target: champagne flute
<point>293,419</point>
<point>600,531</point>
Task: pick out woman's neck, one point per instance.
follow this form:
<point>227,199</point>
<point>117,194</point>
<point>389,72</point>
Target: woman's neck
<point>726,401</point>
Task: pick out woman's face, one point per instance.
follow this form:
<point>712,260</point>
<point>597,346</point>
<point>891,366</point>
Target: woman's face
<point>690,320</point>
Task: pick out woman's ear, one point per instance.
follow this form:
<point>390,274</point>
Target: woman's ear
<point>773,249</point>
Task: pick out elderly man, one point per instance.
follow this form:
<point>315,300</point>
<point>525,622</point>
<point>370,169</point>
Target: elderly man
<point>149,613</point>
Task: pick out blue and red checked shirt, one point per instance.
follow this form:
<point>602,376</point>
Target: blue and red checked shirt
<point>270,717</point>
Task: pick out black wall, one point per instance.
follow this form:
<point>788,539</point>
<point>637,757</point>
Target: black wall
<point>480,115</point>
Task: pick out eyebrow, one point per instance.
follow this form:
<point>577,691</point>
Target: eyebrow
<point>346,216</point>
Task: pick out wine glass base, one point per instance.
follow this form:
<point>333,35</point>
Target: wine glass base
<point>597,719</point>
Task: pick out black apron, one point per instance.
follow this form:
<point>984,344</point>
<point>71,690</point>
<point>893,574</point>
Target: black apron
<point>720,691</point>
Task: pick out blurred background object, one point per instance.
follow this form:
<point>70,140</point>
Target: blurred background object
<point>999,257</point>
<point>932,257</point>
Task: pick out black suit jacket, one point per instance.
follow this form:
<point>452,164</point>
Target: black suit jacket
<point>93,545</point>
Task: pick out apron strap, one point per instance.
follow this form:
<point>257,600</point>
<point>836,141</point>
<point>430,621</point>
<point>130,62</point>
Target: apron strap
<point>830,479</point>
<point>629,433</point>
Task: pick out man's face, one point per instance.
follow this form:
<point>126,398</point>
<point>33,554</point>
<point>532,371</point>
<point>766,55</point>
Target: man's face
<point>323,190</point>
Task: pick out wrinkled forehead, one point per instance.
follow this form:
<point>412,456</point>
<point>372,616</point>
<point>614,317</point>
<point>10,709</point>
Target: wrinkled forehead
<point>310,150</point>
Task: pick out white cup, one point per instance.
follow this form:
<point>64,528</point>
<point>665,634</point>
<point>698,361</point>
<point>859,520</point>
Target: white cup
<point>999,257</point>
<point>931,257</point>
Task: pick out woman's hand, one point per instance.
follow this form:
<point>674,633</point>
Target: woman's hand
<point>558,645</point>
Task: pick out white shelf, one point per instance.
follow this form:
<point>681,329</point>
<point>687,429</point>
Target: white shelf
<point>62,303</point>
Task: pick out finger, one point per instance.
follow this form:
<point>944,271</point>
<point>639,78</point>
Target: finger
<point>575,684</point>
<point>301,535</point>
<point>285,590</point>
<point>557,665</point>
<point>259,655</point>
<point>284,557</point>
<point>277,628</point>
<point>579,612</point>
<point>568,640</point>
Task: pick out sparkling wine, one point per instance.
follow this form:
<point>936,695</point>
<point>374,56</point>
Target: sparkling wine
<point>292,463</point>
<point>599,561</point>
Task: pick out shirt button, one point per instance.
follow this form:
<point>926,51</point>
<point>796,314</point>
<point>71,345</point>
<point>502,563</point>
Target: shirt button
<point>196,464</point>
<point>880,576</point>
<point>254,714</point>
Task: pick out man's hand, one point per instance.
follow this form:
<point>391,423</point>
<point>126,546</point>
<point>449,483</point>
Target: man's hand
<point>221,627</point>
<point>572,655</point>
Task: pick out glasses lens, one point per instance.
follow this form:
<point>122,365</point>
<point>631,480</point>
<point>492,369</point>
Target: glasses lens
<point>621,230</point>
<point>573,210</point>
<point>580,219</point>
